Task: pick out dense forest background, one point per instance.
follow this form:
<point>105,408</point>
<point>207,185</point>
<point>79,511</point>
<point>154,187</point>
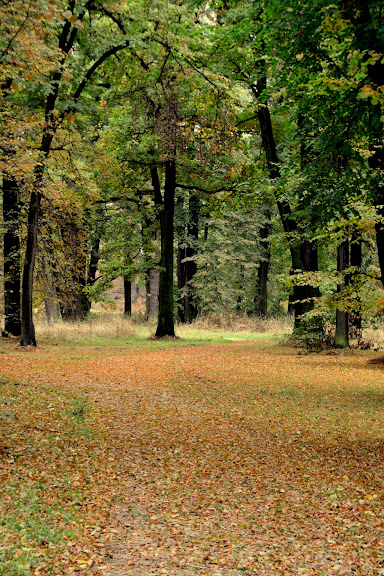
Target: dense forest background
<point>224,156</point>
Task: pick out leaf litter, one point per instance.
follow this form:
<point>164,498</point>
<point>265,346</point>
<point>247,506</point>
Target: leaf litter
<point>212,460</point>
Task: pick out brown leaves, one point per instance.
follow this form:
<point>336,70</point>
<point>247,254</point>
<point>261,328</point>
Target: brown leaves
<point>227,459</point>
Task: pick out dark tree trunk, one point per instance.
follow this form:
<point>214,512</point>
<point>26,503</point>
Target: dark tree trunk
<point>356,260</point>
<point>306,294</point>
<point>12,260</point>
<point>186,269</point>
<point>369,39</point>
<point>180,273</point>
<point>165,322</point>
<point>127,297</point>
<point>261,297</point>
<point>304,255</point>
<point>51,301</point>
<point>94,258</point>
<point>66,41</point>
<point>27,327</point>
<point>341,336</point>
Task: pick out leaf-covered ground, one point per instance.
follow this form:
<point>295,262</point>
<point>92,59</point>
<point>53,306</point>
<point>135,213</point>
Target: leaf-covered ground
<point>232,459</point>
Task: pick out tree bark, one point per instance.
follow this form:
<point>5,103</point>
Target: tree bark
<point>304,255</point>
<point>94,258</point>
<point>51,301</point>
<point>261,297</point>
<point>369,38</point>
<point>127,297</point>
<point>356,260</point>
<point>186,269</point>
<point>27,327</point>
<point>152,293</point>
<point>165,322</point>
<point>12,257</point>
<point>341,335</point>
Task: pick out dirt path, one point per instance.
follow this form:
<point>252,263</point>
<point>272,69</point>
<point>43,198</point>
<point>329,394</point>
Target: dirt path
<point>235,459</point>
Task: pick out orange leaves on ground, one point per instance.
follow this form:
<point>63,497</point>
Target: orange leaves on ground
<point>227,459</point>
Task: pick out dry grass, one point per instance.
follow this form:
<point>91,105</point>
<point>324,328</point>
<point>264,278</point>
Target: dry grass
<point>113,326</point>
<point>374,336</point>
<point>116,326</point>
<point>102,326</point>
<point>230,322</point>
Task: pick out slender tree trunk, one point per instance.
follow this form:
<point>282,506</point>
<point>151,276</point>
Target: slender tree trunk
<point>181,281</point>
<point>51,301</point>
<point>261,297</point>
<point>298,251</point>
<point>27,327</point>
<point>94,258</point>
<point>127,297</point>
<point>341,336</point>
<point>186,265</point>
<point>152,287</point>
<point>356,260</point>
<point>12,257</point>
<point>165,322</point>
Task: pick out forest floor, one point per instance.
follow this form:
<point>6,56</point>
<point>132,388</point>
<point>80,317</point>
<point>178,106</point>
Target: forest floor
<point>220,459</point>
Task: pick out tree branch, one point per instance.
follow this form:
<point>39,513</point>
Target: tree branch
<point>90,72</point>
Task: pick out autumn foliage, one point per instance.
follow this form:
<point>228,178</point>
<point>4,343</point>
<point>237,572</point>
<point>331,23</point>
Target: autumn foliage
<point>170,459</point>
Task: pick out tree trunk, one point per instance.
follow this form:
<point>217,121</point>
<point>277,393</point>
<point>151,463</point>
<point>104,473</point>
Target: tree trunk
<point>370,39</point>
<point>94,258</point>
<point>152,293</point>
<point>27,327</point>
<point>127,297</point>
<point>305,294</point>
<point>51,301</point>
<point>303,255</point>
<point>12,260</point>
<point>356,257</point>
<point>186,269</point>
<point>165,322</point>
<point>341,336</point>
<point>261,297</point>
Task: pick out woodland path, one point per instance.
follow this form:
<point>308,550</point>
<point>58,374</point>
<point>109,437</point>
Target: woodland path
<point>236,459</point>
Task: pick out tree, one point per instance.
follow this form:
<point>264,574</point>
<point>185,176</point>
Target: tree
<point>58,104</point>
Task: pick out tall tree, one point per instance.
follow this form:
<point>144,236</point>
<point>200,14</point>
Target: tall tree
<point>12,263</point>
<point>57,106</point>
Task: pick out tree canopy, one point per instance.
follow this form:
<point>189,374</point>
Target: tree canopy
<point>235,148</point>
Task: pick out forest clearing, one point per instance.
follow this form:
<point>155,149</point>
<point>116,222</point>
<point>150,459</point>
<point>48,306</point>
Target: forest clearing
<point>219,456</point>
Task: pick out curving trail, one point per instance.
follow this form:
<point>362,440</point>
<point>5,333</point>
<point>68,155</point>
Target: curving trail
<point>232,459</point>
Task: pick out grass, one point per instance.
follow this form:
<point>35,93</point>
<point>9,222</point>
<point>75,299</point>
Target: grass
<point>116,330</point>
